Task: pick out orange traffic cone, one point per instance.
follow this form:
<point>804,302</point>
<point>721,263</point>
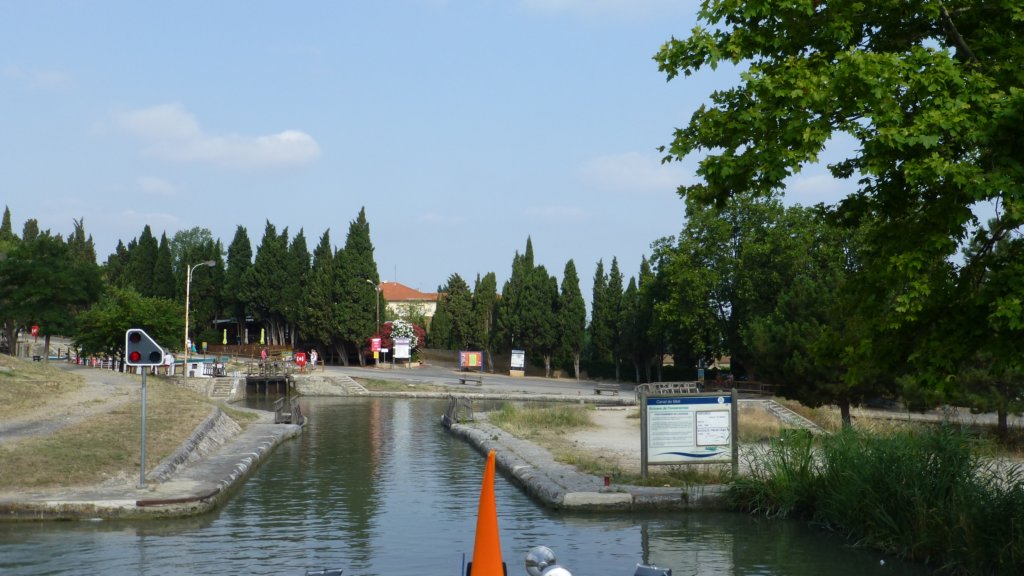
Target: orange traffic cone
<point>487,548</point>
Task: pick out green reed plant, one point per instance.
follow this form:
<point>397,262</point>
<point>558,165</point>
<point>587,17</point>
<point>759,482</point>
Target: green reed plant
<point>782,476</point>
<point>926,494</point>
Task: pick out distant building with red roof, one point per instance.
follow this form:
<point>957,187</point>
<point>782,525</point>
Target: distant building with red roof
<point>408,302</point>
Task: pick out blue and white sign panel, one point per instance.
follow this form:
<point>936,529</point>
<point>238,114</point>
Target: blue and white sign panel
<point>688,429</point>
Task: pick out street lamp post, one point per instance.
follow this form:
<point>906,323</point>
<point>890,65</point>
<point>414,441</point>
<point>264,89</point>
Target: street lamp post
<point>377,289</point>
<point>188,287</point>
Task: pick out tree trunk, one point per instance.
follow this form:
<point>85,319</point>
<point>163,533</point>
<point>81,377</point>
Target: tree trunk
<point>576,364</point>
<point>340,349</point>
<point>844,412</point>
<point>617,368</point>
<point>547,365</point>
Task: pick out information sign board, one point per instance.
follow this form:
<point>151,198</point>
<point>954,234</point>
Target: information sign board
<point>687,429</point>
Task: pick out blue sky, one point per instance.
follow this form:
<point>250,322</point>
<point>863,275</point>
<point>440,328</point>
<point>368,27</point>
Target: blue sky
<point>462,126</point>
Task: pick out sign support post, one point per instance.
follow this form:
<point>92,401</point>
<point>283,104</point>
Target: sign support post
<point>143,352</point>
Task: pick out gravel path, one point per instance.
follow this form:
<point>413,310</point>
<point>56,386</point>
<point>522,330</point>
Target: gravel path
<point>104,391</point>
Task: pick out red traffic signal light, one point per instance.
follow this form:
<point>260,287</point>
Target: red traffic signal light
<point>141,350</point>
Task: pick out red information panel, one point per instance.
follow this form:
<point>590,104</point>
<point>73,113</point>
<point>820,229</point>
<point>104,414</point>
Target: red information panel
<point>471,359</point>
<point>300,358</point>
<point>375,344</point>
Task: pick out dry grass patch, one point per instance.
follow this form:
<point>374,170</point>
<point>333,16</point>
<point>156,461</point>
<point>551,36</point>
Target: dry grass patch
<point>106,446</point>
<point>24,384</point>
<point>757,424</point>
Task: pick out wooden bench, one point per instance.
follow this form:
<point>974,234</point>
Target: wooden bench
<point>607,387</point>
<point>477,379</point>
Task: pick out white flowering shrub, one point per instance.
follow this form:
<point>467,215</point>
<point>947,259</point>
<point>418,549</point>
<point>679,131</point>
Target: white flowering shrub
<point>402,329</point>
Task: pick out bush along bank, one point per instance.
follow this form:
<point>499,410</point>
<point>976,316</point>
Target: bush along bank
<point>927,495</point>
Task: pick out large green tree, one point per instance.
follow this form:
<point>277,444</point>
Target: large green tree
<point>44,283</point>
<point>101,329</point>
<point>931,94</point>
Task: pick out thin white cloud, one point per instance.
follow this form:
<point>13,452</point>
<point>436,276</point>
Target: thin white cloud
<point>558,213</point>
<point>170,133</point>
<point>38,78</point>
<point>156,187</point>
<point>632,173</point>
<point>435,218</point>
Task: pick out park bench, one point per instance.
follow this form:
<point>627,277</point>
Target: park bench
<point>612,387</point>
<point>477,379</point>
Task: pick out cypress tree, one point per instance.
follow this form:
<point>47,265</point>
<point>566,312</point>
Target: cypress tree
<point>298,270</point>
<point>485,306</point>
<point>356,308</point>
<point>268,278</point>
<point>441,325</point>
<point>572,316</point>
<point>613,296</point>
<point>142,263</point>
<point>459,305</point>
<point>318,299</point>
<point>600,322</point>
<point>163,272</point>
<point>6,231</point>
<point>238,265</point>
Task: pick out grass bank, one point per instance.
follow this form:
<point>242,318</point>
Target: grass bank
<point>96,449</point>
<point>927,494</point>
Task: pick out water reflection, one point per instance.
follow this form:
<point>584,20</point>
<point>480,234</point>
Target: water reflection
<point>375,486</point>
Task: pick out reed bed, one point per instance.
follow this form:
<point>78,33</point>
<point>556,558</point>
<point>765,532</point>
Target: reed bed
<point>926,494</point>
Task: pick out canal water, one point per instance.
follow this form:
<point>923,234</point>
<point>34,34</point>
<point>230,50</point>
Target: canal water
<point>377,487</point>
